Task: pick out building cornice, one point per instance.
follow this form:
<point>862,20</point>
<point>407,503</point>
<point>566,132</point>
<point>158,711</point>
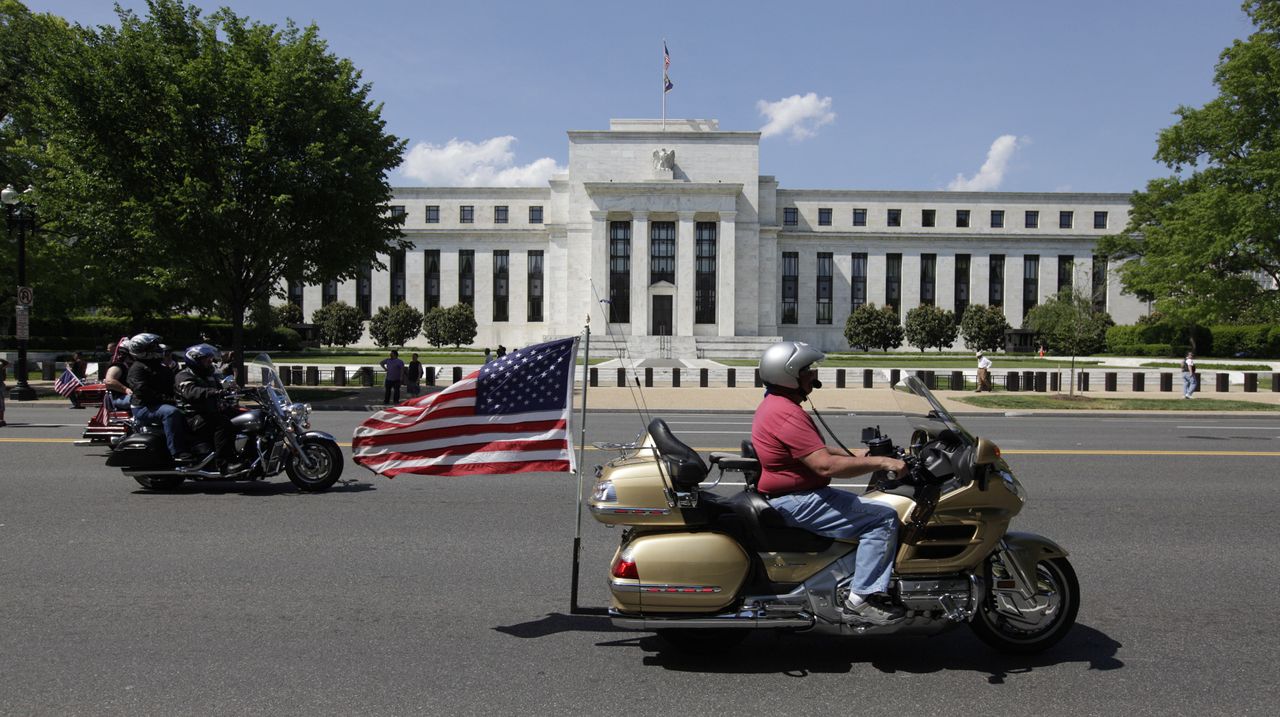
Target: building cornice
<point>464,192</point>
<point>954,197</point>
<point>663,188</point>
<point>658,136</point>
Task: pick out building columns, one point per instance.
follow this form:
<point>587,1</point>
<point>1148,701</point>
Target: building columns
<point>639,273</point>
<point>726,261</point>
<point>684,274</point>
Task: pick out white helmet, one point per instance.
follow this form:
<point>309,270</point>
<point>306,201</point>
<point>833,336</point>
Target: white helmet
<point>145,346</point>
<point>782,363</point>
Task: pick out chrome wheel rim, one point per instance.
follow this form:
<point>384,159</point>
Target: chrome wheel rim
<point>321,463</point>
<point>1028,619</point>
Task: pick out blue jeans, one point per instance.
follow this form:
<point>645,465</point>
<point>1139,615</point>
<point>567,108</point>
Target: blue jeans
<point>1188,384</point>
<point>169,417</point>
<point>840,514</point>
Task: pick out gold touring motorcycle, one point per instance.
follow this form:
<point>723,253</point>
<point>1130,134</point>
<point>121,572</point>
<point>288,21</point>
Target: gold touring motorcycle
<point>704,570</point>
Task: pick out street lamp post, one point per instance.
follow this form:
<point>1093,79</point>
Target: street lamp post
<point>20,214</point>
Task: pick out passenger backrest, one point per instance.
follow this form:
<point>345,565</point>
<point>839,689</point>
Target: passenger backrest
<point>752,477</point>
<point>682,463</point>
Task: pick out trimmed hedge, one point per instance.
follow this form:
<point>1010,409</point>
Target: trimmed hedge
<point>1260,340</point>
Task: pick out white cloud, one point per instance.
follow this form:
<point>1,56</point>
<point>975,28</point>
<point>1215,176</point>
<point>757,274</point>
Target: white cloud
<point>991,174</point>
<point>797,114</point>
<point>460,163</point>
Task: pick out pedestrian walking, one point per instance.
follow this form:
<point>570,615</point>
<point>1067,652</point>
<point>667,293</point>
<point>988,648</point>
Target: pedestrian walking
<point>984,373</point>
<point>395,372</point>
<point>414,375</point>
<point>1190,380</point>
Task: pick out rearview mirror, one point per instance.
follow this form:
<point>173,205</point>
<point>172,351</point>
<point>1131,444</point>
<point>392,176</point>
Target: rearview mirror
<point>987,453</point>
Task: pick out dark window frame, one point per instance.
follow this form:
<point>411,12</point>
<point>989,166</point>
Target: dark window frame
<point>995,280</point>
<point>1066,281</point>
<point>619,272</point>
<point>399,279</point>
<point>1066,219</point>
<point>467,277</point>
<point>963,266</point>
<point>1031,219</point>
<point>501,285</point>
<point>962,218</point>
<point>431,278</point>
<point>824,216</point>
<point>535,214</point>
<point>928,279</point>
<point>823,294</point>
<point>364,290</point>
<point>535,285</point>
<point>893,218</point>
<point>704,283</point>
<point>662,252</point>
<point>790,288</point>
<point>857,280</point>
<point>997,219</point>
<point>1030,282</point>
<point>501,214</point>
<point>928,218</point>
<point>859,217</point>
<point>432,214</point>
<point>790,216</point>
<point>1100,220</point>
<point>893,282</point>
<point>467,214</point>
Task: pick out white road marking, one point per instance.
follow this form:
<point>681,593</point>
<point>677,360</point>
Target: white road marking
<point>1237,428</point>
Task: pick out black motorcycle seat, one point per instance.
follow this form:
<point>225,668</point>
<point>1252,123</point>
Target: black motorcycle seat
<point>683,464</point>
<point>769,531</point>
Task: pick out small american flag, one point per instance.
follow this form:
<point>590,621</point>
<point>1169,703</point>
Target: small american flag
<point>67,383</point>
<point>511,416</point>
<point>666,65</point>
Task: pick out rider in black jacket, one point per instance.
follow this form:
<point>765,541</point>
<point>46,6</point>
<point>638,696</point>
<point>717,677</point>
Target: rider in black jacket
<point>199,390</point>
<point>151,384</point>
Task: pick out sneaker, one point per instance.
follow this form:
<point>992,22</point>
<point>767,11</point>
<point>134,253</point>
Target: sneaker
<point>184,457</point>
<point>875,612</point>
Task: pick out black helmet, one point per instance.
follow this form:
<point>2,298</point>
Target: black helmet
<point>782,363</point>
<point>194,355</point>
<point>145,347</point>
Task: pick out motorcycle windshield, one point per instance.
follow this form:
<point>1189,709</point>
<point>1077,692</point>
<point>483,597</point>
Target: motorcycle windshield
<point>262,372</point>
<point>924,411</point>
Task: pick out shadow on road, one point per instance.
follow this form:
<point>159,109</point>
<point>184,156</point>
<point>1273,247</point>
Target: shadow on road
<point>799,655</point>
<point>254,488</point>
<point>557,622</point>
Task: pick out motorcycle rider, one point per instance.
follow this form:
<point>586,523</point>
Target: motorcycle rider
<point>796,472</point>
<point>117,376</point>
<point>151,383</point>
<point>199,390</point>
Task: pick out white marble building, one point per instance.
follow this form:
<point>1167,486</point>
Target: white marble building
<point>674,232</point>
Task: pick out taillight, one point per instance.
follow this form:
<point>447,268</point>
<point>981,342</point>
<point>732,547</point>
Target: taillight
<point>623,568</point>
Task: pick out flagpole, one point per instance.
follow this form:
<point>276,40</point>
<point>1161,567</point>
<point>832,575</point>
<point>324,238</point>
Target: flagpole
<point>582,443</point>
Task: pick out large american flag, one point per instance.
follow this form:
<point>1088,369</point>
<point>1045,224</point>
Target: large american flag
<point>511,416</point>
<point>67,383</point>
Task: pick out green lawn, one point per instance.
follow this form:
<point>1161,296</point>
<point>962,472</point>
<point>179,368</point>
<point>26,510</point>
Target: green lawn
<point>936,361</point>
<point>1211,366</point>
<point>1064,402</point>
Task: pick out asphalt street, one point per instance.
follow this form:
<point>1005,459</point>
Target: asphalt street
<point>449,596</point>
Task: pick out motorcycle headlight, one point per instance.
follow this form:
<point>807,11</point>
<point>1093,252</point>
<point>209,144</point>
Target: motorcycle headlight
<point>1013,485</point>
<point>300,413</point>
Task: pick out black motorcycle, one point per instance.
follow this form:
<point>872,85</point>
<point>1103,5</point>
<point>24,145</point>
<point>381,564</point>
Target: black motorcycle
<point>273,435</point>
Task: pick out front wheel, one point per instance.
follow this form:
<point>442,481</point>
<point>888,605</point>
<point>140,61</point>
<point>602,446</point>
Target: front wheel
<point>1010,623</point>
<point>325,469</point>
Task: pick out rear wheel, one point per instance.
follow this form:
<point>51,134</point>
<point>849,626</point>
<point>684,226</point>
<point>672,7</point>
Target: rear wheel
<point>1010,623</point>
<point>325,467</point>
<point>704,641</point>
<point>159,482</point>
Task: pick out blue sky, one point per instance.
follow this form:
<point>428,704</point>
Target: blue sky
<point>995,95</point>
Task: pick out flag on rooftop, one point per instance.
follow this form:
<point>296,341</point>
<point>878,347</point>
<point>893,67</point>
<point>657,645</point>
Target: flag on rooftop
<point>666,65</point>
<point>511,416</point>
<point>67,383</point>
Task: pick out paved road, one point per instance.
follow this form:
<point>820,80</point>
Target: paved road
<point>449,596</point>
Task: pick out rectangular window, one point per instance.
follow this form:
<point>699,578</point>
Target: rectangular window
<point>928,217</point>
<point>295,295</point>
<point>467,276</point>
<point>433,214</point>
<point>859,217</point>
<point>501,283</point>
<point>330,293</point>
<point>397,277</point>
<point>893,281</point>
<point>1099,283</point>
<point>995,281</point>
<point>500,214</point>
<point>535,216</point>
<point>824,216</point>
<point>962,218</point>
<point>928,279</point>
<point>466,214</point>
<point>1066,220</point>
<point>1032,219</point>
<point>790,216</point>
<point>704,283</point>
<point>662,252</point>
<point>1099,220</point>
<point>997,219</point>
<point>962,285</point>
<point>790,287</point>
<point>364,290</point>
<point>1030,282</point>
<point>431,274</point>
<point>825,264</point>
<point>397,212</point>
<point>895,218</point>
<point>535,285</point>
<point>1066,271</point>
<point>619,272</point>
<point>858,288</point>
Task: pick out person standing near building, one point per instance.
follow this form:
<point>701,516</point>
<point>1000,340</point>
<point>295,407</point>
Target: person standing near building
<point>1189,379</point>
<point>395,373</point>
<point>984,373</point>
<point>414,376</point>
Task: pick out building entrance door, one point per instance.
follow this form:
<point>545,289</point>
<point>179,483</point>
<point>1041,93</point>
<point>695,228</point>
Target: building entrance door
<point>661,316</point>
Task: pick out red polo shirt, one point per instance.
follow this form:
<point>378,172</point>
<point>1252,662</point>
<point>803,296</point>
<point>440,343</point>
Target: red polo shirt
<point>783,434</point>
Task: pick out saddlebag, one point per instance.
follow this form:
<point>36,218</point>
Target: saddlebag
<point>142,451</point>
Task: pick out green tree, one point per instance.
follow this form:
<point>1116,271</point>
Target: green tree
<point>460,324</point>
<point>1197,242</point>
<point>928,326</point>
<point>871,328</point>
<point>217,155</point>
<point>340,323</point>
<point>1069,325</point>
<point>435,326</point>
<point>395,325</point>
<point>983,328</point>
<point>288,314</point>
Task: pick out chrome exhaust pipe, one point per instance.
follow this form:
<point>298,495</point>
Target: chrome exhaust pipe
<point>747,620</point>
